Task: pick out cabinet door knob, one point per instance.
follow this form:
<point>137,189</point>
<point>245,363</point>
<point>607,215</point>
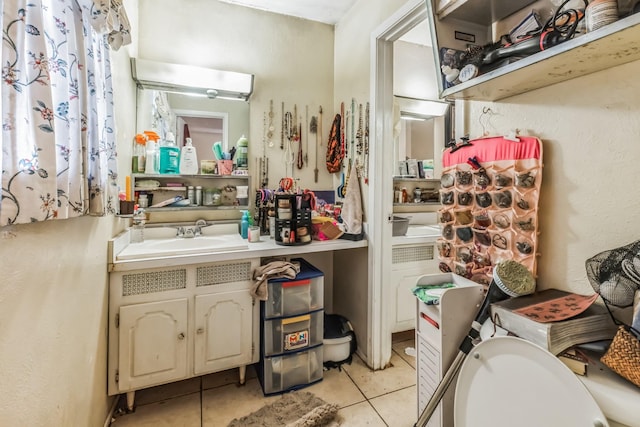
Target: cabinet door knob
<point>181,336</point>
<point>200,331</point>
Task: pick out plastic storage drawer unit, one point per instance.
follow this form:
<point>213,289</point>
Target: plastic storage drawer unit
<point>289,334</point>
<point>291,297</point>
<point>290,372</point>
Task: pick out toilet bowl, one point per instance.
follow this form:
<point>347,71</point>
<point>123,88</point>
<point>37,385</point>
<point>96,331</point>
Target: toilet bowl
<point>507,381</point>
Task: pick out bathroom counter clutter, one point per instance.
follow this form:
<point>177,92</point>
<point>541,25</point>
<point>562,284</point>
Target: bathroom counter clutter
<point>169,250</point>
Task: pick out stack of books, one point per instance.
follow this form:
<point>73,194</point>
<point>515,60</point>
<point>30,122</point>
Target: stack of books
<point>592,324</point>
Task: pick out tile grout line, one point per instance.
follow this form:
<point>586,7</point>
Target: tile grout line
<point>201,403</point>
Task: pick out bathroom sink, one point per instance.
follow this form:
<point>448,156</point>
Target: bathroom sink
<point>422,230</point>
<point>163,242</point>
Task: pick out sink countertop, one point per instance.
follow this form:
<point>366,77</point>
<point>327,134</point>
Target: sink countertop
<point>264,248</point>
<point>418,234</point>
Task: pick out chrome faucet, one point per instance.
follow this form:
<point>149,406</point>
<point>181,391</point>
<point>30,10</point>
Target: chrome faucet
<point>198,228</point>
<point>190,232</point>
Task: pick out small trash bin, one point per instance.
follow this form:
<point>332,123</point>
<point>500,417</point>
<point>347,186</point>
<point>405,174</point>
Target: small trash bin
<point>339,341</point>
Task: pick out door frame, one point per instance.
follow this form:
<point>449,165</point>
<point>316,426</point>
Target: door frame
<point>380,194</point>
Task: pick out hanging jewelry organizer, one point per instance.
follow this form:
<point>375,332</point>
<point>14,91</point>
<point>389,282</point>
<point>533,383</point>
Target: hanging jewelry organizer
<point>489,193</point>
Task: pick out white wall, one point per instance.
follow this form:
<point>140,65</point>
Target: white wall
<point>414,71</point>
<point>588,201</point>
<point>292,60</point>
<point>53,305</point>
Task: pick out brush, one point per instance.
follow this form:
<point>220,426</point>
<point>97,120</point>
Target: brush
<point>510,279</point>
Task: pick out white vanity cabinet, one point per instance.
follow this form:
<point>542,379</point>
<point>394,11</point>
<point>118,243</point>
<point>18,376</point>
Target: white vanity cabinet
<point>172,323</point>
<point>225,317</point>
<point>409,262</point>
<point>152,344</point>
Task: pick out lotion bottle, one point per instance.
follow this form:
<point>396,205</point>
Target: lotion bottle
<point>244,225</point>
<point>188,159</point>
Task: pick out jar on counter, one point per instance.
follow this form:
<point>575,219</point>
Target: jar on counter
<point>191,195</point>
<point>397,196</point>
<point>207,196</point>
<point>143,200</point>
<point>417,195</point>
<point>198,201</point>
<point>217,197</point>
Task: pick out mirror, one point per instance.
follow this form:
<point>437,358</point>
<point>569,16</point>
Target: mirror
<point>202,119</point>
<point>420,129</point>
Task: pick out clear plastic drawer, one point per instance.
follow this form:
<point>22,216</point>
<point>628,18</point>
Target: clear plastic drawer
<point>289,372</point>
<point>290,297</point>
<point>292,333</point>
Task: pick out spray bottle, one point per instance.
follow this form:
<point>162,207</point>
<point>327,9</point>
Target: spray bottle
<point>138,154</point>
<point>153,153</point>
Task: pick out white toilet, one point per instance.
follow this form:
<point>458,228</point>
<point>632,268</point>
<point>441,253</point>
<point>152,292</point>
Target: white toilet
<point>507,381</point>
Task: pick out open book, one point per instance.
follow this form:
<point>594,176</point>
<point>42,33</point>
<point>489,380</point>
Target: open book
<point>592,324</point>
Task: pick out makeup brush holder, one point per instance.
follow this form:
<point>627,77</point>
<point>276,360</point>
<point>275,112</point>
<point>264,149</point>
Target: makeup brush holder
<point>292,223</point>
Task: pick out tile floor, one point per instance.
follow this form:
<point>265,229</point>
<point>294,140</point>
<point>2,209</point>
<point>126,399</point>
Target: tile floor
<point>366,397</point>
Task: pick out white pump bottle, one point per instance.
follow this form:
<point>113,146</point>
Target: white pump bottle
<point>188,159</point>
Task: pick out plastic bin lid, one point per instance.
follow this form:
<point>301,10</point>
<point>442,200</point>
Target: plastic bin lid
<point>336,326</point>
<point>307,271</point>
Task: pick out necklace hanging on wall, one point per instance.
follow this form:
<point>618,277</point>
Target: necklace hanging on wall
<point>289,133</point>
<point>282,129</point>
<point>264,160</point>
<point>360,144</point>
<point>271,129</point>
<point>366,145</point>
<point>306,127</point>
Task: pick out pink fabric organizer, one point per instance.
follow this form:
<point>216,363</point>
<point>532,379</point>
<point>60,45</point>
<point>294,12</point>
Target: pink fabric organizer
<point>490,214</point>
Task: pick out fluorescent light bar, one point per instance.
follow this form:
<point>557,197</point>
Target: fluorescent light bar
<point>405,115</point>
<point>192,80</point>
<point>420,108</point>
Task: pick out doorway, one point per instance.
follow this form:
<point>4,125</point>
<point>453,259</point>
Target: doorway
<point>381,189</point>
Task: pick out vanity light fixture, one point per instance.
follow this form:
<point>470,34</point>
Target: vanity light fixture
<point>406,115</point>
<point>188,79</point>
<point>420,109</point>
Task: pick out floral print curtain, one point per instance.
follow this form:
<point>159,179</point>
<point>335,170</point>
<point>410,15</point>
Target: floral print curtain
<point>58,141</point>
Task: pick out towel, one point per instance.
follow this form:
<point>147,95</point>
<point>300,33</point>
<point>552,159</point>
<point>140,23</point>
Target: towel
<point>352,205</point>
<point>272,270</point>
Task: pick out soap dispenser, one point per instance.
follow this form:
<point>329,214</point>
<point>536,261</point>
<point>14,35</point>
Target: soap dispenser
<point>244,225</point>
<point>188,159</point>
